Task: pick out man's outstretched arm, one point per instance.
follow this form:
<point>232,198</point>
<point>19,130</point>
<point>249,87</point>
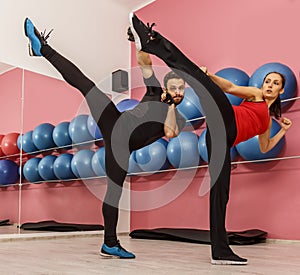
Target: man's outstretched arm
<point>145,63</point>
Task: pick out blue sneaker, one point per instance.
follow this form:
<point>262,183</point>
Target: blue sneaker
<point>116,252</point>
<point>36,39</point>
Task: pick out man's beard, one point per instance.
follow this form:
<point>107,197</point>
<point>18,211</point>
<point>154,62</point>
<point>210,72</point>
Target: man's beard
<point>177,99</point>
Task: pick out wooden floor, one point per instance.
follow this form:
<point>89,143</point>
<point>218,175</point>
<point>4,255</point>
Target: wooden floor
<point>77,253</point>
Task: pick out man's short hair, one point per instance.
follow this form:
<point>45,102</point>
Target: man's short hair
<point>170,75</point>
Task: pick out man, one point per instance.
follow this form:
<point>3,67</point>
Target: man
<point>122,132</point>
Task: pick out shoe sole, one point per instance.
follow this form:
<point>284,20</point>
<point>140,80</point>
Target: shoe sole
<point>25,22</point>
<point>31,52</point>
<point>108,256</point>
<point>137,40</point>
<point>227,262</point>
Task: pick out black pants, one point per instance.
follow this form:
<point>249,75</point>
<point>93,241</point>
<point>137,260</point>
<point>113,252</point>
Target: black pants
<point>106,115</point>
<point>221,134</point>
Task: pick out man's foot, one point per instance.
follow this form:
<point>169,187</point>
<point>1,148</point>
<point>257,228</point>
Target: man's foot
<point>116,252</point>
<point>142,34</point>
<point>229,260</point>
<point>36,39</point>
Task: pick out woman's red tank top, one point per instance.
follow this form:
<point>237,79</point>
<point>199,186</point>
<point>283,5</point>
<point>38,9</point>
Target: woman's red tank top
<point>252,118</point>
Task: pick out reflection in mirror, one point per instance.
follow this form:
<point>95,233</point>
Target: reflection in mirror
<point>11,79</point>
<point>54,196</point>
<point>38,116</point>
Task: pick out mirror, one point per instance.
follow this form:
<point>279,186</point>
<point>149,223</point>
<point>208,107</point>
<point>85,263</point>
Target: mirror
<point>53,196</point>
<point>37,117</point>
<point>11,86</point>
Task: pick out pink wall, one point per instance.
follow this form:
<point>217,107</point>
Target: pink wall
<point>245,35</point>
<point>45,100</point>
<point>10,95</point>
<point>48,100</point>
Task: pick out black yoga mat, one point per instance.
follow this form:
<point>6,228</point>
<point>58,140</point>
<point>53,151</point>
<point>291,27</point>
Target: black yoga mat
<point>60,227</point>
<point>250,236</point>
<point>5,222</point>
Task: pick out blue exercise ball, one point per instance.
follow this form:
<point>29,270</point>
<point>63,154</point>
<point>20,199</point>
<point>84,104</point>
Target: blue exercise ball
<point>61,136</point>
<point>93,128</point>
<point>31,171</point>
<point>45,167</point>
<point>9,172</point>
<point>19,142</point>
<point>127,104</point>
<point>237,77</point>
<point>290,88</point>
<point>62,167</point>
<point>42,136</point>
<point>98,162</point>
<point>182,151</point>
<point>202,148</point>
<point>78,129</point>
<point>133,166</point>
<point>153,157</point>
<point>249,149</point>
<point>81,164</point>
<point>190,107</point>
<point>27,143</point>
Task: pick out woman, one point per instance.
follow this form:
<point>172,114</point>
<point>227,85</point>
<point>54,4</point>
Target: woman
<point>226,125</point>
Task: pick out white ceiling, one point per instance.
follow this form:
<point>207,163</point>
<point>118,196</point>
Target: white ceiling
<point>91,14</point>
<point>5,67</point>
<point>133,4</point>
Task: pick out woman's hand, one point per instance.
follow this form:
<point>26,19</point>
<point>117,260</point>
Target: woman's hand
<point>285,123</point>
<point>267,143</point>
<point>204,69</point>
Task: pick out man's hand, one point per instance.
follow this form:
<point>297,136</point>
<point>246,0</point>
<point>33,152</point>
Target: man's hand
<point>167,98</point>
<point>170,127</point>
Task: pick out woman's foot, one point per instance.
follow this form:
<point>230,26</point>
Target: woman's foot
<point>229,260</point>
<point>142,33</point>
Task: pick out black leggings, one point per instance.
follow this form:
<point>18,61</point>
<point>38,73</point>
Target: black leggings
<point>106,115</point>
<point>221,134</point>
